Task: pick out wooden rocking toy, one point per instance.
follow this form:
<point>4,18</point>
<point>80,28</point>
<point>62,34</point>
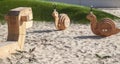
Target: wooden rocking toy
<point>105,27</point>
<point>62,21</point>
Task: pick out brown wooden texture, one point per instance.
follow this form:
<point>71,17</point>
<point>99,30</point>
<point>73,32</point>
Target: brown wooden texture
<point>17,22</point>
<point>105,27</point>
<point>62,21</point>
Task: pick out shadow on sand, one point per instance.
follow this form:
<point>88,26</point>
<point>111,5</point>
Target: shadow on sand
<point>43,31</point>
<point>88,37</point>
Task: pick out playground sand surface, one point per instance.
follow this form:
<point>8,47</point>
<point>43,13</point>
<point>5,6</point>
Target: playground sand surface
<point>75,45</point>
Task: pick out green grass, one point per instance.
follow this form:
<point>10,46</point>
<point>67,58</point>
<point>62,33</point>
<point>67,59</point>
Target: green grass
<point>42,10</point>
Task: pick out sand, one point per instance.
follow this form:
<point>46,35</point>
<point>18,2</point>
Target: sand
<point>75,45</point>
<point>113,11</point>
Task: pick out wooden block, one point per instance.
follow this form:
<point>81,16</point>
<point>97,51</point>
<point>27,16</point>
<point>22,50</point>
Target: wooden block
<point>29,24</point>
<point>17,20</point>
<point>24,18</point>
<point>7,48</point>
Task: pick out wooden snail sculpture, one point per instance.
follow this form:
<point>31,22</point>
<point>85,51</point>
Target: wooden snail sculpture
<point>105,27</point>
<point>18,20</point>
<point>62,21</point>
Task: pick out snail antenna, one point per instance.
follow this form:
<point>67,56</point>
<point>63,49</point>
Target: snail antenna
<point>91,8</point>
<point>54,4</point>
